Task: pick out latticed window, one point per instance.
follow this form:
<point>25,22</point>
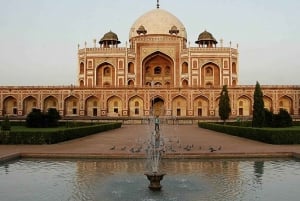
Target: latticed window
<point>157,70</point>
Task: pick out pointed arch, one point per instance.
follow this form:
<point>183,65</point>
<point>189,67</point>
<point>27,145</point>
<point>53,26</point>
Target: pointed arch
<point>244,106</point>
<point>114,106</point>
<point>130,68</point>
<point>201,106</point>
<point>185,83</point>
<point>185,68</point>
<point>159,67</point>
<point>285,102</point>
<point>136,105</point>
<point>71,106</point>
<point>92,106</point>
<point>29,103</point>
<point>210,74</point>
<point>268,103</point>
<point>50,102</point>
<point>81,68</point>
<point>105,75</point>
<point>10,106</point>
<point>130,83</point>
<point>179,106</point>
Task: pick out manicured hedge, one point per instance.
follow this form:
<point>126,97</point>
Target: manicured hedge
<point>267,135</point>
<point>51,137</point>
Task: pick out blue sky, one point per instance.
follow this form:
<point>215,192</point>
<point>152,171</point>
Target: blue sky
<point>39,38</point>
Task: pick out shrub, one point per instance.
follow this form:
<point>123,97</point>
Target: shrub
<point>267,135</point>
<point>5,125</point>
<point>52,118</point>
<point>268,118</point>
<point>37,119</point>
<point>281,120</point>
<point>51,137</point>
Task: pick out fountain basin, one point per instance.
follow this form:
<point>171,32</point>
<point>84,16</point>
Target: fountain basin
<point>155,178</point>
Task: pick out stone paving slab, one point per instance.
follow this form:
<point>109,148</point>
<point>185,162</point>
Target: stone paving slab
<point>130,141</point>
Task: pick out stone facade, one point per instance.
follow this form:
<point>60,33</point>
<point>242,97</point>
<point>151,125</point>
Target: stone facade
<point>156,73</point>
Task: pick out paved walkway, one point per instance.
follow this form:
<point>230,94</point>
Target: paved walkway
<point>132,140</point>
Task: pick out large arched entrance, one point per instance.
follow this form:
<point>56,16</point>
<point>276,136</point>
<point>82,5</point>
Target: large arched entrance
<point>157,107</point>
<point>158,70</point>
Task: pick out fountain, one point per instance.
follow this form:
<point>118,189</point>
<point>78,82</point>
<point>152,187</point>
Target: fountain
<point>154,151</point>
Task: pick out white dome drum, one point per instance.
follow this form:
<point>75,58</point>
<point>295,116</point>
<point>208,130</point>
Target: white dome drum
<point>158,21</point>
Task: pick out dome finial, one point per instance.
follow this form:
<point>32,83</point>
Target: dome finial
<point>157,5</point>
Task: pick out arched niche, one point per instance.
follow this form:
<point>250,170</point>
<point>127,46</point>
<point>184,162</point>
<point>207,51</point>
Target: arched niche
<point>159,67</point>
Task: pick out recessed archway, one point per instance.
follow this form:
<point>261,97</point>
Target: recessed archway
<point>105,75</point>
<point>114,106</point>
<point>50,102</point>
<point>157,106</point>
<point>201,108</point>
<point>71,106</point>
<point>92,106</point>
<point>28,104</point>
<point>10,106</point>
<point>285,103</point>
<point>179,106</point>
<point>244,106</point>
<point>136,105</point>
<point>210,75</point>
<point>158,67</point>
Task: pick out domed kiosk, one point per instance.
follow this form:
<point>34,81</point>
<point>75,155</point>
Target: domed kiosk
<point>109,39</point>
<point>206,39</point>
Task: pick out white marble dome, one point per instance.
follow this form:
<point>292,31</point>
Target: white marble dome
<point>158,21</point>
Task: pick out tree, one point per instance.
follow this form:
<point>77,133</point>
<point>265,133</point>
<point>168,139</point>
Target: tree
<point>37,119</point>
<point>224,104</point>
<point>258,119</point>
<point>282,119</point>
